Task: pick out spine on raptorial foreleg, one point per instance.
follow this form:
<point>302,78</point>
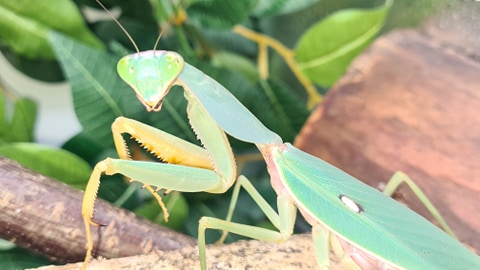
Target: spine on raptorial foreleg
<point>91,191</point>
<point>89,203</point>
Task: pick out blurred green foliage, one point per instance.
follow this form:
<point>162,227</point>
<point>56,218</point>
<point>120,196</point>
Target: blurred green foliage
<point>79,41</point>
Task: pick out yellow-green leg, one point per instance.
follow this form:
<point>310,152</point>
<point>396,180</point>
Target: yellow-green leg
<point>190,168</point>
<point>397,179</point>
<point>283,220</point>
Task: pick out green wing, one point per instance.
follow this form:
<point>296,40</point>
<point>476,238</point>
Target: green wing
<point>382,226</point>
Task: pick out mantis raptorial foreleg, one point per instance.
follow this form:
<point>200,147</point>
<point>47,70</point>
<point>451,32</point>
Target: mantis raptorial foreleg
<point>165,146</point>
<point>194,168</point>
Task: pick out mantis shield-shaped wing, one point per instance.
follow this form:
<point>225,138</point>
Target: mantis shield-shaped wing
<point>377,224</point>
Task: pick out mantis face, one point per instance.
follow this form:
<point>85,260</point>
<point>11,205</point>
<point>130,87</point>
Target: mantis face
<point>151,74</point>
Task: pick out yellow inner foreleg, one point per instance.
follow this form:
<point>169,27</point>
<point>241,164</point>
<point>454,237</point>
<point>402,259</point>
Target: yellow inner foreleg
<point>168,148</point>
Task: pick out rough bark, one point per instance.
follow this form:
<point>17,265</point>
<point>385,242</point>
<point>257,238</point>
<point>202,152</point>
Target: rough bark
<point>296,253</point>
<point>409,103</point>
<point>44,215</point>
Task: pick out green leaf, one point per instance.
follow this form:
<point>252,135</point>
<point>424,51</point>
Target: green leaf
<point>85,146</point>
<point>24,25</point>
<point>220,14</point>
<point>237,63</point>
<point>279,109</point>
<point>23,120</point>
<point>56,163</point>
<point>6,245</point>
<point>95,86</point>
<point>20,127</point>
<point>4,125</point>
<point>266,8</point>
<point>324,52</point>
<point>18,258</point>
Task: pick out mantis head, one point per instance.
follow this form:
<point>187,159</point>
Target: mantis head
<point>151,74</point>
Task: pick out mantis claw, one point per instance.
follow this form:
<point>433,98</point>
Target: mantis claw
<point>98,224</point>
<point>94,223</point>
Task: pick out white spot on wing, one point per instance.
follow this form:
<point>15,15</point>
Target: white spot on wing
<point>352,205</point>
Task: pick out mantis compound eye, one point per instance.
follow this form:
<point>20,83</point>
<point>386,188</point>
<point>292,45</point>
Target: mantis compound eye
<point>173,59</point>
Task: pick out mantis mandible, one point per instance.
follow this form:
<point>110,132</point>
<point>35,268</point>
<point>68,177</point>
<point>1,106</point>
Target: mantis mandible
<point>364,227</point>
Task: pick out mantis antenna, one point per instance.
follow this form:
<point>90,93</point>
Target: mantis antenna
<point>129,36</point>
<point>120,25</point>
<point>170,19</point>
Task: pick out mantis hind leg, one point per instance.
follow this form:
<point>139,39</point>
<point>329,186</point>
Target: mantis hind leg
<point>348,255</point>
<point>397,179</point>
<point>283,220</point>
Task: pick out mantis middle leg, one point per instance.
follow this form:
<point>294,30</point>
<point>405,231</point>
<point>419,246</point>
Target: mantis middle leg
<point>284,220</point>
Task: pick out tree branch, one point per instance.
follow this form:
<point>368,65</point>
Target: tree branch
<point>44,215</point>
<point>296,253</point>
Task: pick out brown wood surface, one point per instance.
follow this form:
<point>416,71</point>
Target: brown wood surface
<point>295,253</point>
<point>409,103</point>
<point>44,215</point>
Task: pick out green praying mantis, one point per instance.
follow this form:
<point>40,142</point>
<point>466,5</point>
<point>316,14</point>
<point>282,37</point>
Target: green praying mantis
<point>365,228</point>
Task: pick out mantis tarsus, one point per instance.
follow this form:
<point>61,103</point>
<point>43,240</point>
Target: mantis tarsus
<point>364,227</point>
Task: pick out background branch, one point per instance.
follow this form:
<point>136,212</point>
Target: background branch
<point>44,215</point>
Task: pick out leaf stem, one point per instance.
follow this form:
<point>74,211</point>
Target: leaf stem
<point>287,54</point>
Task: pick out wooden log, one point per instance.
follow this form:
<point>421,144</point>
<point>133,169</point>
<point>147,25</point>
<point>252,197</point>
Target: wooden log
<point>295,253</point>
<point>409,103</point>
<point>44,215</point>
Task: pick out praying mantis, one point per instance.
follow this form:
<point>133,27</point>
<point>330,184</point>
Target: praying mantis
<point>365,228</point>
